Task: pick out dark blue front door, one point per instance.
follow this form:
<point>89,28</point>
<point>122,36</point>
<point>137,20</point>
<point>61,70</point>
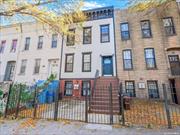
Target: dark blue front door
<point>107,65</point>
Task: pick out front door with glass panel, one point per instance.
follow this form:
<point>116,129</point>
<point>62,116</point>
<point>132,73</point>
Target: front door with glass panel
<point>53,67</point>
<point>107,66</point>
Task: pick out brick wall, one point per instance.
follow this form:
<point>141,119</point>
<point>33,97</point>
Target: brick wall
<point>159,41</point>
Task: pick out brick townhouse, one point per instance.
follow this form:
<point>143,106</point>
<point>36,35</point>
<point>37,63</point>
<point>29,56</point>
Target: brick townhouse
<point>148,50</point>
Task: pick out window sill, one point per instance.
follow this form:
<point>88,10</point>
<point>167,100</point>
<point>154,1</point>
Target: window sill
<point>70,44</point>
<point>68,72</point>
<point>125,40</point>
<point>87,43</point>
<point>21,74</point>
<point>86,71</point>
<point>147,37</point>
<point>171,35</point>
<point>105,42</point>
<point>151,68</point>
<point>128,69</point>
<point>35,73</point>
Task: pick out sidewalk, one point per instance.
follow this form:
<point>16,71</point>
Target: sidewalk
<point>42,127</point>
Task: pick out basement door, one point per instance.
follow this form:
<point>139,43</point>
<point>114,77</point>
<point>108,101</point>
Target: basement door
<point>107,65</point>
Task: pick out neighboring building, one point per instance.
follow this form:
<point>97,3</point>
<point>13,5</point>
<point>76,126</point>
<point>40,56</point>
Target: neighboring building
<point>29,53</point>
<point>39,54</point>
<point>9,46</point>
<point>148,51</point>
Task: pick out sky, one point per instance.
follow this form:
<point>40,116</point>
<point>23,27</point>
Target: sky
<point>89,4</point>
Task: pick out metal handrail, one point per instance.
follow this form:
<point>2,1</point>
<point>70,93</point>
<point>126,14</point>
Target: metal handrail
<point>96,77</point>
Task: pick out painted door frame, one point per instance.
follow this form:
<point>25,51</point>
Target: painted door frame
<point>103,56</point>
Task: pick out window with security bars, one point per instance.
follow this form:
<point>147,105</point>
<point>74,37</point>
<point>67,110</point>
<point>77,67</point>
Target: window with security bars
<point>146,29</point>
<point>86,87</point>
<point>127,60</point>
<point>54,41</point>
<point>130,88</point>
<point>86,64</point>
<point>71,38</point>
<point>150,58</point>
<point>125,34</point>
<point>27,43</point>
<point>40,42</point>
<point>69,62</point>
<point>37,66</point>
<point>23,66</point>
<point>105,36</point>
<point>68,88</point>
<point>153,89</point>
<point>169,26</point>
<point>2,46</point>
<point>87,35</point>
<point>13,46</point>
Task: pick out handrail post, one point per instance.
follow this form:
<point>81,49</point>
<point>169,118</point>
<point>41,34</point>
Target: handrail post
<point>121,104</point>
<point>8,98</point>
<point>110,104</point>
<point>18,103</point>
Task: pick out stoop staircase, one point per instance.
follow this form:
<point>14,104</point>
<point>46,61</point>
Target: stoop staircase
<point>100,101</point>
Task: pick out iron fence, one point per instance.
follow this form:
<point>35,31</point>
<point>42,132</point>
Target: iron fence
<point>105,104</point>
<point>152,112</point>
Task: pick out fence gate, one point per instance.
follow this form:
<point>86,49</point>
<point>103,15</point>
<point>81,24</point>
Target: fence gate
<point>103,105</point>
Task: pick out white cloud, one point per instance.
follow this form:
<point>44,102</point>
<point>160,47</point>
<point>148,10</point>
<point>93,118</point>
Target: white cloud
<point>92,4</point>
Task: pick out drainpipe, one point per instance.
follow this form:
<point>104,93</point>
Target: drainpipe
<point>18,51</point>
<point>115,41</point>
<point>62,46</point>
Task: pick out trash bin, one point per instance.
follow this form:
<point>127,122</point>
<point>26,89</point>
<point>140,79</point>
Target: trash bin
<point>127,103</point>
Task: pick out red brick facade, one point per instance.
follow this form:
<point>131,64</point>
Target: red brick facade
<point>77,91</point>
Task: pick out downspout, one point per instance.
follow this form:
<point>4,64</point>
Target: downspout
<point>115,41</point>
<point>62,46</point>
<point>18,53</point>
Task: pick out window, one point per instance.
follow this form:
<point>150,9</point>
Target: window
<point>40,42</point>
<point>37,66</point>
<point>87,35</point>
<point>130,88</point>
<point>127,60</point>
<point>68,88</point>
<point>169,26</point>
<point>105,37</point>
<point>86,62</point>
<point>23,66</point>
<point>150,58</point>
<point>86,86</point>
<point>71,37</point>
<point>174,64</point>
<point>153,89</point>
<point>125,35</point>
<point>13,46</point>
<point>2,46</point>
<point>69,62</point>
<point>27,43</point>
<point>146,29</point>
<point>54,41</point>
